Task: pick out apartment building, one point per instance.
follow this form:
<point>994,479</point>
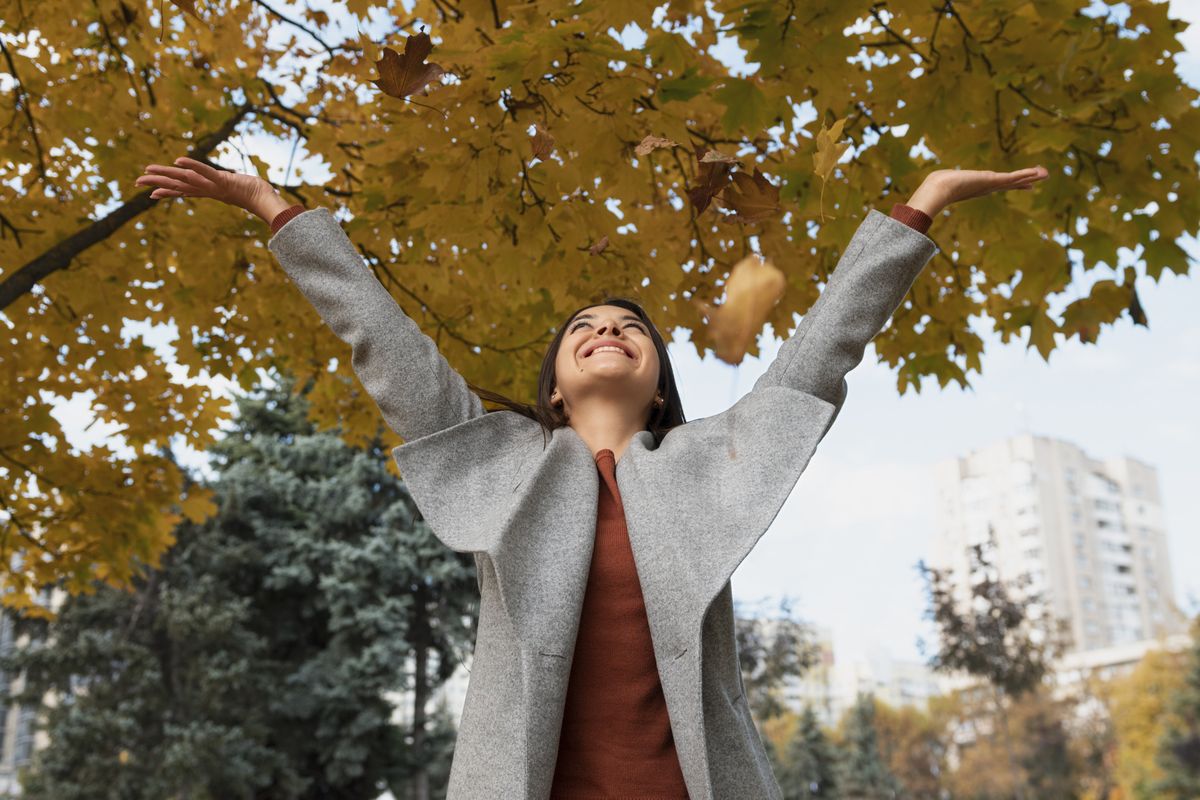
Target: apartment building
<point>1089,533</point>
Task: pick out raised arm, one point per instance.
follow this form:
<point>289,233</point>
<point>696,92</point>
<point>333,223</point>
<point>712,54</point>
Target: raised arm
<point>414,386</point>
<point>416,389</point>
<point>875,272</point>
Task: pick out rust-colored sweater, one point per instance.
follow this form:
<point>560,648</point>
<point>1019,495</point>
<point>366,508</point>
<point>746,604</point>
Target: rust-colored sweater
<point>616,741</point>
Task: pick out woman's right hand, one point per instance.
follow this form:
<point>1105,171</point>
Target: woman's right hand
<point>192,178</point>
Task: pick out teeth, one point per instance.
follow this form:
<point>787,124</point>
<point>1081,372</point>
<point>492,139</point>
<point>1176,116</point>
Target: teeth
<point>609,348</point>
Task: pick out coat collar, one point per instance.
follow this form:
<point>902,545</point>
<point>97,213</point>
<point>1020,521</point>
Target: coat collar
<point>695,506</point>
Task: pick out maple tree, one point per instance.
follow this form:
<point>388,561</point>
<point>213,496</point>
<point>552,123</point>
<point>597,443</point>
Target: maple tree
<point>485,227</point>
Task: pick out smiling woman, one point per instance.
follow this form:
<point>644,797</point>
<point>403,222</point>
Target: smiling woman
<point>605,663</point>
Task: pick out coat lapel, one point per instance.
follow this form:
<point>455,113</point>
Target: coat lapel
<point>695,508</point>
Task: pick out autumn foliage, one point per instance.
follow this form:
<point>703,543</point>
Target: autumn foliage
<point>493,162</point>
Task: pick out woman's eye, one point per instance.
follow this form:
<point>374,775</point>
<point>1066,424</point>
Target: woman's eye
<point>633,325</point>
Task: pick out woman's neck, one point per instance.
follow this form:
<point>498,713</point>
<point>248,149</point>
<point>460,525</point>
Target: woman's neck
<point>606,426</point>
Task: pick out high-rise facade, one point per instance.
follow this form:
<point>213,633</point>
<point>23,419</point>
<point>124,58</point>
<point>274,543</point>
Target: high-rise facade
<point>1089,533</point>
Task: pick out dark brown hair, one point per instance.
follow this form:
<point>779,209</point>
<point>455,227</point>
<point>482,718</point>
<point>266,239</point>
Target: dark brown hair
<point>662,418</point>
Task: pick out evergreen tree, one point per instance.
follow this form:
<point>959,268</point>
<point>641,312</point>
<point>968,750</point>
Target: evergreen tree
<point>864,774</point>
<point>812,762</point>
<point>772,650</point>
<point>257,659</point>
<point>1179,750</point>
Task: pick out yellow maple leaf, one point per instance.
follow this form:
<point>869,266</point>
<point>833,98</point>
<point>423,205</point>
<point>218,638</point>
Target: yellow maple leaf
<point>829,152</point>
<point>754,287</point>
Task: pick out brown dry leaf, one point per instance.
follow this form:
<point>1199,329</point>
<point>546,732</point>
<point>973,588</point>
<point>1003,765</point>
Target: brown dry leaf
<point>402,75</point>
<point>754,199</point>
<point>754,287</point>
<point>829,152</point>
<point>187,5</point>
<point>713,176</point>
<point>651,143</point>
<point>715,156</point>
<point>599,247</point>
<point>542,142</point>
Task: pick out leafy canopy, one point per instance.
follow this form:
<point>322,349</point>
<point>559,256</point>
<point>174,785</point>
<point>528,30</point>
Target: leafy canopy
<point>486,228</point>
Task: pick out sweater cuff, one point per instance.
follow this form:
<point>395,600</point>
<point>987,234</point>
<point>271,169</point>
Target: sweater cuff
<point>284,216</point>
<point>912,217</point>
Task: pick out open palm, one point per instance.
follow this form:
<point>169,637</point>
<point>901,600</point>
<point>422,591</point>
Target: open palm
<point>192,178</point>
<point>963,184</point>
<point>945,186</point>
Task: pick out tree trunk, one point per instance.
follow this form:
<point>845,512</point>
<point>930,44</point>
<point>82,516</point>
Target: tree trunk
<point>421,639</point>
<point>1006,740</point>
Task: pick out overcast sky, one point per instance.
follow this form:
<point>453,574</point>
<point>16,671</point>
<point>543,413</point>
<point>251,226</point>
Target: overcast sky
<point>847,541</point>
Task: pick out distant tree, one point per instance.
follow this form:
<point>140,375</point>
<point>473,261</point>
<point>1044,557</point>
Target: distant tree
<point>256,660</point>
<point>1094,740</point>
<point>863,772</point>
<point>1041,759</point>
<point>913,744</point>
<point>810,767</point>
<point>1000,633</point>
<point>1179,748</point>
<point>772,649</point>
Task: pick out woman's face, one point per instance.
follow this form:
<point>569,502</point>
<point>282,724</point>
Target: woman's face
<point>628,376</point>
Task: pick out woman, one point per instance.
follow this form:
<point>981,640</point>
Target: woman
<point>605,664</point>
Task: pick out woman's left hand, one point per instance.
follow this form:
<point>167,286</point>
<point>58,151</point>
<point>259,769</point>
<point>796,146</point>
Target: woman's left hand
<point>945,186</point>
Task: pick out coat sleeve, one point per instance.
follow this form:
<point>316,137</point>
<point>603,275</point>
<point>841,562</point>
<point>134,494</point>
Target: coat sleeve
<point>414,386</point>
<point>875,272</point>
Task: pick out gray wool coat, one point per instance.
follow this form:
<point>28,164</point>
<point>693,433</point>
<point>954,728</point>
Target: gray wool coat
<point>695,506</point>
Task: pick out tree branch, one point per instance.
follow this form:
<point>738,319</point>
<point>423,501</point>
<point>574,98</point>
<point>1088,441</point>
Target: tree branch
<point>62,254</point>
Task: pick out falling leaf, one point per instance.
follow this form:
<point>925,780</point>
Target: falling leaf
<point>713,176</point>
<point>1135,309</point>
<point>754,199</point>
<point>542,141</point>
<point>753,289</point>
<point>599,246</point>
<point>187,5</point>
<point>717,157</point>
<point>402,75</point>
<point>651,143</point>
<point>829,152</point>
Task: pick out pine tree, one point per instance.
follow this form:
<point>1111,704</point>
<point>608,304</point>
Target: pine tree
<point>863,773</point>
<point>812,762</point>
<point>257,659</point>
<point>1179,750</point>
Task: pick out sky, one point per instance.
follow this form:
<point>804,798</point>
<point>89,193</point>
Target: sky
<point>846,543</point>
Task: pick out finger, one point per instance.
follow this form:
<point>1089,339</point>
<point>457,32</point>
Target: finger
<point>199,166</point>
<point>1031,181</point>
<point>163,182</point>
<point>159,194</point>
<point>1036,173</point>
<point>179,174</point>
